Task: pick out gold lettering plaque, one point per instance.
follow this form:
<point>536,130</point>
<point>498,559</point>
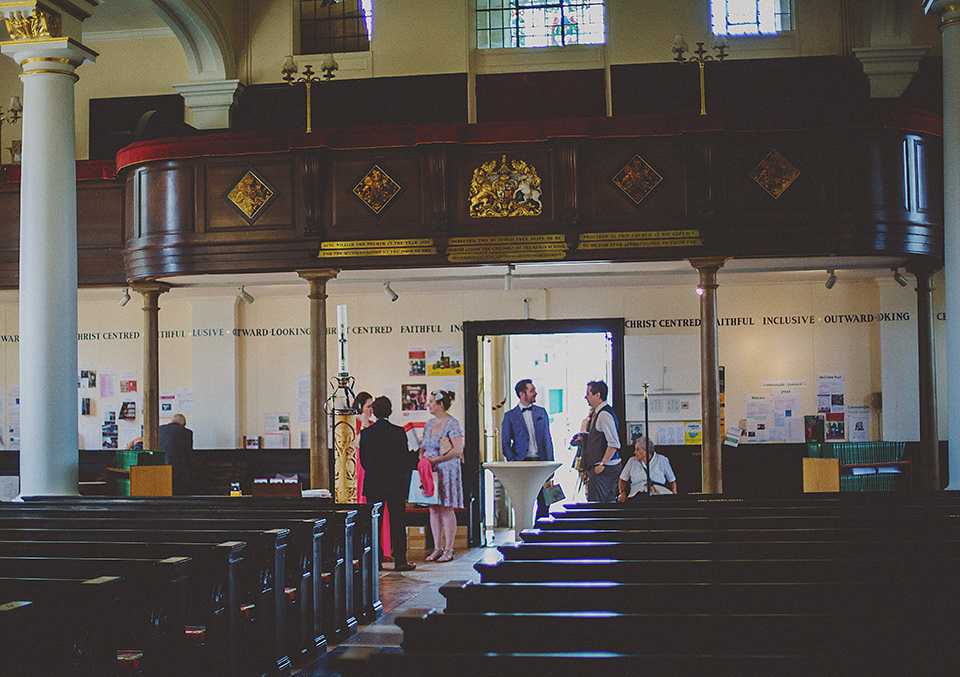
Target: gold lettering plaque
<point>508,190</point>
<point>357,248</point>
<point>641,239</point>
<point>506,248</point>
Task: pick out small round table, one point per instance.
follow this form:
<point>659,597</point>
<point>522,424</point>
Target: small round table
<point>523,481</point>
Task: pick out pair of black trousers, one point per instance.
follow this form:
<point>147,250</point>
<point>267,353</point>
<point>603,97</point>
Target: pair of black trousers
<point>397,507</point>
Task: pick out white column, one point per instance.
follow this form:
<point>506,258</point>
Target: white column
<point>949,12</point>
<point>48,265</point>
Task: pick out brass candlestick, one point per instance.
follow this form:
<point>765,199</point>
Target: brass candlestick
<point>13,113</point>
<point>289,70</point>
<point>700,57</point>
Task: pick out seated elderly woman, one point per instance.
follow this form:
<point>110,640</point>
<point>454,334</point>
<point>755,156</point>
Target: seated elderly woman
<point>633,480</point>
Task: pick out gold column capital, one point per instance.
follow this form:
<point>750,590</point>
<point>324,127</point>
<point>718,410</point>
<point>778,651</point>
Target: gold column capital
<point>715,262</point>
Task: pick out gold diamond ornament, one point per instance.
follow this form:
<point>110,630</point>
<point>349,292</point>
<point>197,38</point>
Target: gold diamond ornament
<point>637,179</point>
<point>251,195</point>
<point>775,173</point>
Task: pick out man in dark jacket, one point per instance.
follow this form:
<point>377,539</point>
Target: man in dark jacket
<point>176,440</point>
<point>386,475</point>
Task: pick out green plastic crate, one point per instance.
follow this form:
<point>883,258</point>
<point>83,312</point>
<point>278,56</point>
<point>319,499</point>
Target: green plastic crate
<point>127,457</point>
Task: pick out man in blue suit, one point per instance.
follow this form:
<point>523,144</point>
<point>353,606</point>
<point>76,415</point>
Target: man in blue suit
<point>525,433</point>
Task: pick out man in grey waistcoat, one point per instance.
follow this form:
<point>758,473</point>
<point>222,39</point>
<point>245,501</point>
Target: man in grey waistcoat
<point>601,457</point>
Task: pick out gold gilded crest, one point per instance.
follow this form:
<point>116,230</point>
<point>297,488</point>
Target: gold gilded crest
<point>508,190</point>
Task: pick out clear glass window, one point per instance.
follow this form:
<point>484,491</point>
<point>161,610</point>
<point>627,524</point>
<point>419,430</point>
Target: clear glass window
<point>539,23</point>
<point>346,26</point>
<point>750,17</point>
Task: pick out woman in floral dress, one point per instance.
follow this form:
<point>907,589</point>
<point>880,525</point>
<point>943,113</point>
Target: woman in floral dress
<point>442,445</point>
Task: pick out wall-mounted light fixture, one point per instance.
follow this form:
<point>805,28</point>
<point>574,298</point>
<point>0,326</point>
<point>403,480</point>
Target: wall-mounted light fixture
<point>901,280</point>
<point>699,290</point>
<point>832,279</point>
<point>125,298</point>
<point>243,294</point>
<point>392,295</point>
<point>508,278</point>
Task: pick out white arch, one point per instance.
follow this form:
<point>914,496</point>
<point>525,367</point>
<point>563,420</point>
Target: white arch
<point>203,38</point>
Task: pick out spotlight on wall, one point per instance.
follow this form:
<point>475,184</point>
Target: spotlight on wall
<point>125,298</point>
<point>901,280</point>
<point>392,295</point>
<point>245,295</point>
<point>508,278</point>
<point>832,280</point>
<point>699,290</point>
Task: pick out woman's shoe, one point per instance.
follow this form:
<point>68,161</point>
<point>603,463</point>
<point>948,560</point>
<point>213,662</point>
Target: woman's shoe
<point>446,556</point>
<point>404,566</point>
<point>432,557</point>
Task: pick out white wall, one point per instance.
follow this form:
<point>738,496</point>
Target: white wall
<point>237,380</point>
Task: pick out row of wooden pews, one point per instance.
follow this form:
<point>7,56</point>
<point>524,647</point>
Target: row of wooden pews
<point>233,586</point>
<point>702,585</point>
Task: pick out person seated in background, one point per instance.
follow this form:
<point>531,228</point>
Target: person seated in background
<point>633,483</point>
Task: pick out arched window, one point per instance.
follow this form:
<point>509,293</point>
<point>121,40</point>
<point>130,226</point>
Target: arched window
<point>750,17</point>
<point>328,26</point>
<point>539,23</point>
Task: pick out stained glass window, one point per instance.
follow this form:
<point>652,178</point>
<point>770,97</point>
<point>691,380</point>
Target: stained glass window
<point>328,26</point>
<point>750,17</point>
<point>539,23</point>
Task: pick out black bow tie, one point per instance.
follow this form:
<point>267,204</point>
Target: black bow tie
<point>523,409</point>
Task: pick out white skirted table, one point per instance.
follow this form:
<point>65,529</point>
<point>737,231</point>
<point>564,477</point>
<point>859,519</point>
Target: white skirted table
<point>523,481</point>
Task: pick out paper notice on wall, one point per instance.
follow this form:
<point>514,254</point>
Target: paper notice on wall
<point>303,399</point>
<point>13,418</point>
<point>732,438</point>
<point>758,405</point>
<point>756,429</point>
<point>446,360</point>
<point>830,394</point>
<point>835,428</point>
<point>128,381</point>
<point>305,438</point>
<point>276,440</point>
<point>108,382</point>
<point>90,435</point>
<point>127,432</point>
<point>109,434</point>
<point>777,432</point>
<point>785,403</point>
<point>692,432</point>
<point>185,400</point>
<point>670,434</point>
<point>88,376</point>
<point>796,429</point>
<point>168,401</point>
<point>277,423</point>
<point>858,422</point>
<point>417,357</point>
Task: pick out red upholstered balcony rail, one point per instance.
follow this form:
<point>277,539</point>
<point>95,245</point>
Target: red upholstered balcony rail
<point>87,170</point>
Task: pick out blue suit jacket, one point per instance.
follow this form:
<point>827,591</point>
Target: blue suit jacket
<point>515,439</point>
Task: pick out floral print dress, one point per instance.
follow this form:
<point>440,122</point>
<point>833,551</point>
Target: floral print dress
<point>449,476</point>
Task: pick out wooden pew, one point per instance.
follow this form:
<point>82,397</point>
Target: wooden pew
<point>261,601</point>
<point>153,612</point>
<point>349,571</point>
<point>366,531</point>
<point>54,633</point>
<point>910,642</point>
<point>375,661</point>
<point>212,609</point>
<point>305,554</point>
<point>881,548</point>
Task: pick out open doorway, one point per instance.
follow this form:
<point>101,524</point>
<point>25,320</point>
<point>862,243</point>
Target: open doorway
<point>560,356</point>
